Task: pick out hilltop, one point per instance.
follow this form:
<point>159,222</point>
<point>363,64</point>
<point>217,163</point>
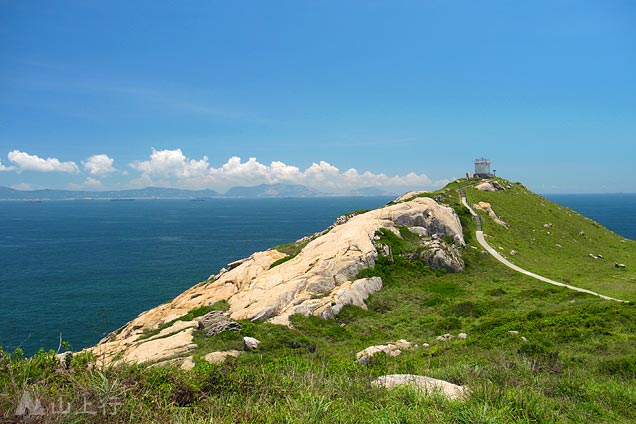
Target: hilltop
<point>409,274</point>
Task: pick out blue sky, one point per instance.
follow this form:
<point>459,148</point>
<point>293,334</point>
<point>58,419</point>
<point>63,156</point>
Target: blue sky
<point>331,94</point>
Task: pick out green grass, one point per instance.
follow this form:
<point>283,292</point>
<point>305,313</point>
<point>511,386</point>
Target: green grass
<point>560,252</point>
<point>282,260</point>
<point>294,248</point>
<point>576,366</point>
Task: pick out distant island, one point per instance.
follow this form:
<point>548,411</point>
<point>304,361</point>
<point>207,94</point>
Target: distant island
<point>259,191</point>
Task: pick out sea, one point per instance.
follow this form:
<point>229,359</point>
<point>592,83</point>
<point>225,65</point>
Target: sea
<point>77,270</point>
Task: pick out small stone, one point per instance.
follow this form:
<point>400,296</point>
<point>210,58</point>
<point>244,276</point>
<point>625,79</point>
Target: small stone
<point>363,360</point>
<point>445,337</point>
<point>513,252</point>
<point>462,336</point>
<point>425,345</point>
<point>250,343</point>
<point>524,339</point>
<point>515,332</point>
<point>547,225</point>
<point>617,265</point>
<point>558,245</point>
<point>394,353</point>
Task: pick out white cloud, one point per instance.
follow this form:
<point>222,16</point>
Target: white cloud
<point>89,183</point>
<point>92,182</point>
<point>27,162</point>
<point>171,163</point>
<point>99,165</point>
<point>5,168</point>
<point>173,168</point>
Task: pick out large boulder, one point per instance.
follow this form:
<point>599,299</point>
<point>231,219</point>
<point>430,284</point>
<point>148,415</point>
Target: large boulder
<point>488,186</point>
<point>426,384</point>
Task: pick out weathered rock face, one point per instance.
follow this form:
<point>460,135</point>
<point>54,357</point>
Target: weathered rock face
<point>320,280</point>
<point>215,322</point>
<point>438,254</point>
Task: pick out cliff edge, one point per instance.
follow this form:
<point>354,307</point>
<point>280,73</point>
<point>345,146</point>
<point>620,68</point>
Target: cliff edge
<point>318,280</point>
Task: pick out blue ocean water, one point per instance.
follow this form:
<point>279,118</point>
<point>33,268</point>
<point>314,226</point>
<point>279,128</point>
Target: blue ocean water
<point>616,211</point>
<point>84,268</point>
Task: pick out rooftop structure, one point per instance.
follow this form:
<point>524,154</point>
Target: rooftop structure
<point>482,168</point>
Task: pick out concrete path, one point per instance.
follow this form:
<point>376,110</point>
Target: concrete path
<point>482,241</point>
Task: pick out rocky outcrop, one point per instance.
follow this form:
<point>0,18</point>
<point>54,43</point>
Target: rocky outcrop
<point>487,207</point>
<point>319,281</point>
<point>438,254</point>
<point>488,186</point>
<point>426,384</point>
<point>216,322</point>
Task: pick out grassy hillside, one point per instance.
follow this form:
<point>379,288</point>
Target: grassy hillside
<point>556,242</point>
<point>534,352</point>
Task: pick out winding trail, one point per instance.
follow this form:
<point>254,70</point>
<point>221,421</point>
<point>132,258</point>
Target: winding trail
<point>482,241</point>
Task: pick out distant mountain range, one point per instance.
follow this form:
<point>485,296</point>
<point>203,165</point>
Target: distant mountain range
<point>260,191</point>
<point>274,190</point>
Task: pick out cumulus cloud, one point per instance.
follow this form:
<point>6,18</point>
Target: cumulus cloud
<point>99,165</point>
<point>171,163</point>
<point>27,162</point>
<point>173,168</point>
<point>5,168</point>
<point>92,182</point>
<point>89,183</point>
